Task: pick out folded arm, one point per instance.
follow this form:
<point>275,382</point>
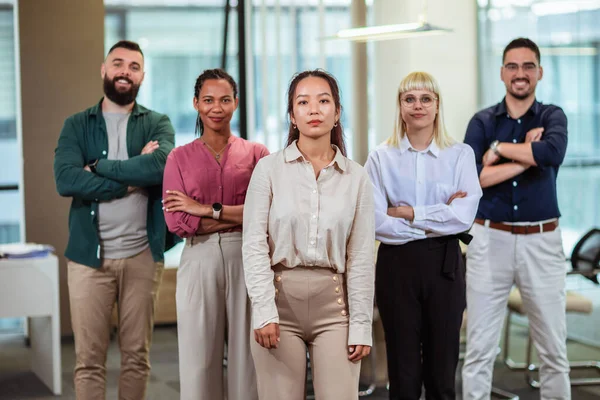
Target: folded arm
<point>458,216</point>
<point>145,169</point>
<point>69,174</point>
<point>388,229</point>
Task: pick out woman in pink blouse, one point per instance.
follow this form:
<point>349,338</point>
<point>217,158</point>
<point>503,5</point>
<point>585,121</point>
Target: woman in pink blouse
<point>309,233</point>
<point>205,185</point>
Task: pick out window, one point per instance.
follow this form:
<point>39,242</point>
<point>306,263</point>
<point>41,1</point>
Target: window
<point>569,41</point>
<point>11,208</point>
<point>180,41</point>
<point>10,159</point>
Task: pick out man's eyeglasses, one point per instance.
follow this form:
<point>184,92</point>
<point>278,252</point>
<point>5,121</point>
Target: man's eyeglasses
<point>514,67</point>
<point>410,101</point>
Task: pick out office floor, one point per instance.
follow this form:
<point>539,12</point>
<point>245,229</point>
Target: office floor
<point>17,383</point>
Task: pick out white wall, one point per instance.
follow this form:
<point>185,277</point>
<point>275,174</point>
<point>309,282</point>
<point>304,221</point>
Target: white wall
<point>451,58</point>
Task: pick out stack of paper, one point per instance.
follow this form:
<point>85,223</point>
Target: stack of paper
<point>25,250</point>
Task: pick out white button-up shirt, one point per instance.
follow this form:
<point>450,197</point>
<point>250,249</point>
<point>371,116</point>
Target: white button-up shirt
<point>424,180</point>
<point>293,219</point>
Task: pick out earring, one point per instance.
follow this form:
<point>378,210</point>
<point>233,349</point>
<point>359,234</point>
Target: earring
<point>335,125</point>
<point>294,127</point>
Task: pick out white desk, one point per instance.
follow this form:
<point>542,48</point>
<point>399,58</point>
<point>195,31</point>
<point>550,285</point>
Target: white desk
<point>30,288</point>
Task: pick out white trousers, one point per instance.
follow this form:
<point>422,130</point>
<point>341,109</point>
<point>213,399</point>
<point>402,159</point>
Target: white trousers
<point>536,264</point>
<point>213,308</point>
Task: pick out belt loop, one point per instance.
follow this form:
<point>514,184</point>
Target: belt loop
<point>486,223</point>
<point>541,227</point>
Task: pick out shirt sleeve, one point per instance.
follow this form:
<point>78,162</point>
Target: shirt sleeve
<point>360,277</point>
<point>70,177</point>
<point>180,223</point>
<point>475,137</point>
<point>459,215</point>
<point>388,229</point>
<point>255,248</point>
<point>551,149</point>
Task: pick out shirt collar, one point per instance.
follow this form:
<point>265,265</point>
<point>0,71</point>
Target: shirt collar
<point>432,148</point>
<point>137,109</point>
<point>501,109</point>
<point>292,153</point>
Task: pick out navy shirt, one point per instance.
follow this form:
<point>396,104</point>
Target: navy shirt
<point>530,196</point>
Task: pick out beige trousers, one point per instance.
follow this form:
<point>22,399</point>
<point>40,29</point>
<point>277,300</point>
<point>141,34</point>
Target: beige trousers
<point>313,314</point>
<point>213,308</point>
<point>133,284</point>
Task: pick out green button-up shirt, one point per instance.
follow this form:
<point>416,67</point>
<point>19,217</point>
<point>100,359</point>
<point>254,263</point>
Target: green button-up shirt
<point>83,139</point>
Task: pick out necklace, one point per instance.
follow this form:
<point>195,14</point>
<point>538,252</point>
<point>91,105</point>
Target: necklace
<point>217,153</point>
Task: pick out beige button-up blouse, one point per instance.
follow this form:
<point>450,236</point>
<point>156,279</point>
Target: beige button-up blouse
<point>293,219</point>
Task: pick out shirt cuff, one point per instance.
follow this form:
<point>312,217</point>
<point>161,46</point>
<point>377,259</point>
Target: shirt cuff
<point>263,315</point>
<point>420,213</point>
<point>360,334</point>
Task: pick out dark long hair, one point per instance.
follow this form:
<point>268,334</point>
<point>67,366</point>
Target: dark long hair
<point>208,74</point>
<point>337,133</point>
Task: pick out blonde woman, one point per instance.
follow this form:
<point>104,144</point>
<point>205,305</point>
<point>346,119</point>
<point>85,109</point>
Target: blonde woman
<point>426,194</point>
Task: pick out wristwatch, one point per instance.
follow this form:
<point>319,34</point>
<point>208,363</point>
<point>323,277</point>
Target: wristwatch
<point>93,164</point>
<point>494,147</point>
<point>217,208</point>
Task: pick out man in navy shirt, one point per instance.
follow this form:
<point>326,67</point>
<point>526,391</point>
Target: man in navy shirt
<point>519,145</point>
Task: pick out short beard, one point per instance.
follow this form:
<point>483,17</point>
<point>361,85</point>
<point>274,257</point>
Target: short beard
<point>519,96</point>
<point>116,96</point>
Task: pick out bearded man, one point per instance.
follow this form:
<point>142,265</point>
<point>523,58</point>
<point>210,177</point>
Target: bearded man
<point>110,160</point>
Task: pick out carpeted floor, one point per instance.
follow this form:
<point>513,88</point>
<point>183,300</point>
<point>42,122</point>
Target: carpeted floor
<point>17,383</point>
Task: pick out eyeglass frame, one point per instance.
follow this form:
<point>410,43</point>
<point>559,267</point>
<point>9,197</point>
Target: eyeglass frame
<point>420,100</point>
<point>526,67</point>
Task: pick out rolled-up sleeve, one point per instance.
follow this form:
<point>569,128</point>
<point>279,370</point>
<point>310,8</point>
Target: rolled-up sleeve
<point>360,275</point>
<point>388,229</point>
<point>551,149</point>
<point>179,223</point>
<point>255,248</point>
<point>475,137</point>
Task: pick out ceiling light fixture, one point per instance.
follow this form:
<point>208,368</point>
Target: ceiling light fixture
<point>389,32</point>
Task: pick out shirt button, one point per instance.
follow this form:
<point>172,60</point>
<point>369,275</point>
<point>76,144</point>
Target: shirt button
<point>515,208</point>
<point>335,278</point>
<point>324,170</point>
<point>339,301</point>
<point>103,152</point>
<point>314,216</point>
<point>344,313</point>
<point>420,182</point>
<point>278,279</point>
<point>337,289</point>
<point>220,187</point>
<point>315,191</point>
<point>519,120</point>
<point>514,140</point>
<point>92,212</point>
<point>312,242</point>
<point>515,183</point>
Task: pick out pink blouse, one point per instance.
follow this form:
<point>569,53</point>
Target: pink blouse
<point>193,170</point>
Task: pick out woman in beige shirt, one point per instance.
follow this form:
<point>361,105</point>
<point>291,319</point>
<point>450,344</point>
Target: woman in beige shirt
<point>308,252</point>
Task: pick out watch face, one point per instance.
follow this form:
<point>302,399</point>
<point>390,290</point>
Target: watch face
<point>217,206</point>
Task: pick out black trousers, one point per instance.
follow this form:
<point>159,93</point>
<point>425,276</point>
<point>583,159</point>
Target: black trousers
<point>420,293</point>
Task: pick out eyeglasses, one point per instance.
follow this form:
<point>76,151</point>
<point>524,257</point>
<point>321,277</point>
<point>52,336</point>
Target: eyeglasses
<point>514,67</point>
<point>410,101</point>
